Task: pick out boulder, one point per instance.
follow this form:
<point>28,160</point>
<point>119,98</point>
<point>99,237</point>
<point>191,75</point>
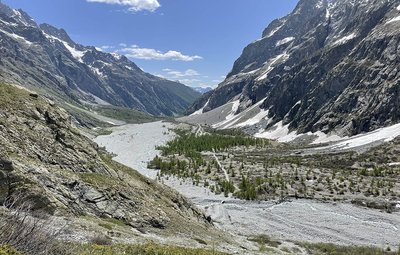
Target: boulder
<point>6,165</point>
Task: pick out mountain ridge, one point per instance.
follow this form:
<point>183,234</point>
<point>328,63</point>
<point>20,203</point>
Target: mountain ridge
<point>45,58</point>
<point>326,67</point>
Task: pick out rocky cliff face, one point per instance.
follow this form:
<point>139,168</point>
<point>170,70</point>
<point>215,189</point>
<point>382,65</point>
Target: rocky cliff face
<point>45,58</point>
<point>58,170</point>
<point>330,66</point>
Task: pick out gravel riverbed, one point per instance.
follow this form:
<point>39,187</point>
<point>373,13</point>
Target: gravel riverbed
<point>300,220</point>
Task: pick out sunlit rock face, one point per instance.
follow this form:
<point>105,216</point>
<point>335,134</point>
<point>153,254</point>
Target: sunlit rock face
<point>330,66</point>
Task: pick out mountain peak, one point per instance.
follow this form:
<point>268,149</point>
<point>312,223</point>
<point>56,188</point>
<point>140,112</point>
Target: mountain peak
<point>56,32</point>
<point>17,15</point>
<point>5,9</point>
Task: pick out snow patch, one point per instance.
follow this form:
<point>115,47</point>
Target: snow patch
<point>200,111</point>
<point>249,65</point>
<point>324,138</point>
<point>386,134</point>
<point>20,18</point>
<point>111,123</point>
<point>274,31</point>
<point>328,13</point>
<point>235,107</point>
<point>281,133</point>
<point>398,8</point>
<point>116,56</point>
<point>97,71</point>
<point>231,116</point>
<point>393,20</point>
<point>256,119</point>
<point>271,65</point>
<point>8,23</point>
<point>232,120</point>
<point>345,39</point>
<point>247,73</point>
<point>16,37</point>
<point>278,132</point>
<point>284,41</point>
<point>77,54</point>
<point>103,63</point>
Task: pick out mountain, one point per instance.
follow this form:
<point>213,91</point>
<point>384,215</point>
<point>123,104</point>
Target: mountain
<point>328,68</point>
<point>46,59</point>
<point>203,90</point>
<point>47,163</point>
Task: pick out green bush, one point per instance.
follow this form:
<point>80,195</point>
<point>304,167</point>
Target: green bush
<point>332,249</point>
<point>5,250</point>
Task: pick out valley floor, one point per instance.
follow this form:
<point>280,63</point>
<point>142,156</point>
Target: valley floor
<point>298,220</point>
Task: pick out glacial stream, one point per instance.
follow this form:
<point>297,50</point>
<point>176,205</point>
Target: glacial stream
<point>300,220</point>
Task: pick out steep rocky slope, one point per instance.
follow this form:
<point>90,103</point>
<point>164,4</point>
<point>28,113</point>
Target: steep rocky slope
<point>47,162</point>
<point>330,66</point>
<point>46,59</point>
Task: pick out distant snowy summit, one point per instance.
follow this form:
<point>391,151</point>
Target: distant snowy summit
<point>202,90</point>
<point>330,68</point>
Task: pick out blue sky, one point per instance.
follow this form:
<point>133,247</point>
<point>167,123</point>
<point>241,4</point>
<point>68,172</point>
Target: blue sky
<point>194,41</point>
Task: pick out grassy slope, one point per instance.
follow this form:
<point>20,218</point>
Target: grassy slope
<point>150,198</point>
<point>124,114</point>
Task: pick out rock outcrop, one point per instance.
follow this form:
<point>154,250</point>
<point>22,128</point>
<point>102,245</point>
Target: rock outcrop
<point>330,66</point>
<point>45,160</point>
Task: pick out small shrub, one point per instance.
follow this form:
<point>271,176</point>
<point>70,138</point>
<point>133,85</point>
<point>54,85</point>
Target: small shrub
<point>5,250</point>
<point>101,240</point>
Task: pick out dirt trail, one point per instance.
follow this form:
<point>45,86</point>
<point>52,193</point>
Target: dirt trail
<point>222,167</point>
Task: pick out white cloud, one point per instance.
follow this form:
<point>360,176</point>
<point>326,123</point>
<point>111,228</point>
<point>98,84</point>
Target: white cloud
<point>151,54</point>
<point>107,47</point>
<point>133,5</point>
<point>190,77</point>
<point>189,81</point>
<point>179,74</point>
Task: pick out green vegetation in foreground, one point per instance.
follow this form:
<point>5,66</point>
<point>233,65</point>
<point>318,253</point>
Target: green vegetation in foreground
<point>6,250</point>
<point>265,240</point>
<point>119,249</point>
<point>144,249</point>
<point>12,98</point>
<point>332,249</point>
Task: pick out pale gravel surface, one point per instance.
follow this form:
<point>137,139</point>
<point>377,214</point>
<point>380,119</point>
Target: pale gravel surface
<point>301,220</point>
<point>134,144</point>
